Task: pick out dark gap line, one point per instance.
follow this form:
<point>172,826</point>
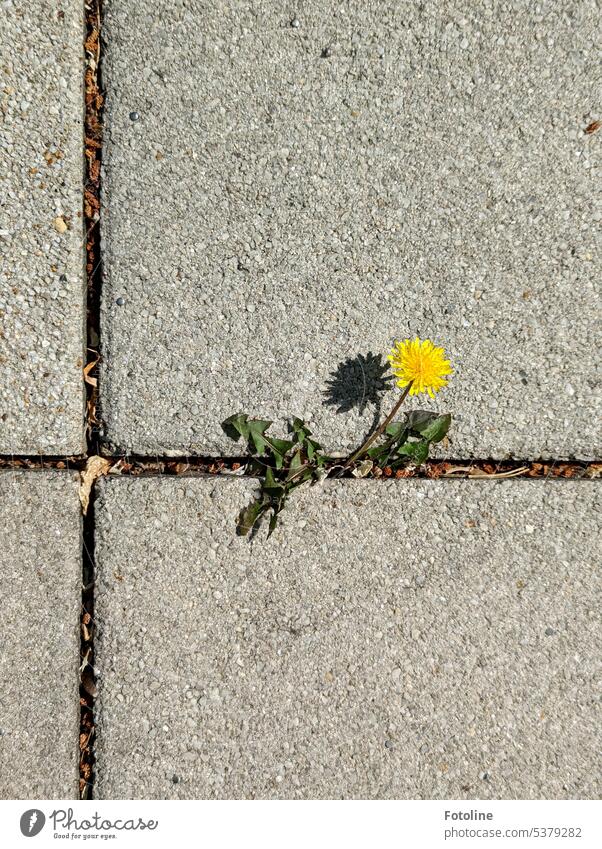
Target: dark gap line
<point>87,686</point>
<point>140,465</point>
<point>93,116</point>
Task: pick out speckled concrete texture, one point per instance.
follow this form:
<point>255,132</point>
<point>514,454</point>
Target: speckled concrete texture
<point>410,639</point>
<point>40,571</point>
<point>288,187</point>
<point>41,232</point>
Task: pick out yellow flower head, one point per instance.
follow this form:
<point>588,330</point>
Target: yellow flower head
<point>420,362</point>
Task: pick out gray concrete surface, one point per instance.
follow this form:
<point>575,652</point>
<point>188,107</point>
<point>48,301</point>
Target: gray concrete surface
<point>280,198</point>
<point>415,639</point>
<point>40,571</point>
<point>41,231</point>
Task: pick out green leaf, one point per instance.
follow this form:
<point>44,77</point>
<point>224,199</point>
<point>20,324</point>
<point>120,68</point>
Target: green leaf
<point>236,426</point>
<point>417,451</point>
<point>257,428</point>
<point>300,429</point>
<point>436,431</point>
<point>396,429</point>
<point>379,453</point>
<point>273,488</point>
<point>430,426</point>
<point>296,466</point>
<point>249,516</point>
<point>279,448</point>
<point>296,462</point>
<point>419,419</point>
<point>317,446</point>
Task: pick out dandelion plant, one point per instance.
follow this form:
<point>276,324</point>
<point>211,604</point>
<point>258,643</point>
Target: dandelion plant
<point>420,367</point>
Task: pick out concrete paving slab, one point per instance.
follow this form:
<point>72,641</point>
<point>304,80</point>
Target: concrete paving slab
<point>414,639</point>
<point>40,570</point>
<point>42,303</point>
<point>287,188</point>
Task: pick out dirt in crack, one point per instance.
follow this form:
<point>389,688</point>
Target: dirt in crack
<point>94,101</point>
<point>87,687</point>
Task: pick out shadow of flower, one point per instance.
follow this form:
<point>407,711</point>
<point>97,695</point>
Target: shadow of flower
<point>357,382</point>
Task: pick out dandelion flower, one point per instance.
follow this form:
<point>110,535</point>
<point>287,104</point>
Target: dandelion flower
<point>420,362</point>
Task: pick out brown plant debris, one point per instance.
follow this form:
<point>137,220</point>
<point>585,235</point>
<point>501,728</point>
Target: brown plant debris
<point>137,466</point>
<point>96,467</point>
<point>93,100</point>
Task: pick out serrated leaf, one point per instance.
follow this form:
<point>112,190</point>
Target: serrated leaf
<point>379,453</point>
<point>296,461</point>
<point>437,429</point>
<point>279,445</point>
<point>431,426</point>
<point>273,488</point>
<point>279,448</point>
<point>236,426</point>
<point>419,419</point>
<point>417,451</point>
<point>257,428</point>
<point>300,429</point>
<point>396,429</point>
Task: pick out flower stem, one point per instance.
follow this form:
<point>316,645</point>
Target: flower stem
<point>379,430</point>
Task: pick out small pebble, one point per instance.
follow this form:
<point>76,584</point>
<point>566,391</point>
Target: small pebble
<point>175,779</point>
<point>295,23</point>
<point>550,632</point>
<point>134,116</point>
<point>326,52</point>
<point>388,744</point>
<point>484,776</point>
<point>120,301</point>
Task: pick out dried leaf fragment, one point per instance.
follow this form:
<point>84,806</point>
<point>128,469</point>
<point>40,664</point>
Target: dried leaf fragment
<point>364,468</point>
<point>87,369</point>
<point>591,128</point>
<point>96,467</point>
